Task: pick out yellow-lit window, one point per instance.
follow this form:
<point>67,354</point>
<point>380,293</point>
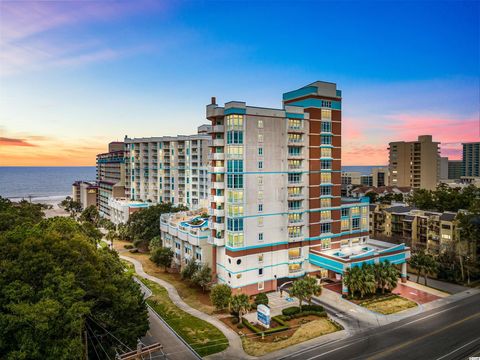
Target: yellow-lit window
<point>294,231</point>
<point>234,151</point>
<point>235,210</point>
<point>294,191</point>
<point>294,164</point>
<point>294,267</point>
<point>355,211</point>
<point>364,223</point>
<point>326,215</point>
<point>294,217</point>
<point>325,203</point>
<point>260,138</point>
<point>235,196</point>
<point>260,221</point>
<point>364,210</point>
<point>326,178</point>
<point>260,124</point>
<point>295,137</point>
<point>235,239</point>
<point>326,243</point>
<point>294,124</point>
<point>235,122</point>
<point>345,224</point>
<point>326,114</point>
<point>294,253</point>
<point>260,194</point>
<point>326,152</point>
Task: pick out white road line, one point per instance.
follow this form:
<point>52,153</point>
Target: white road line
<point>459,348</point>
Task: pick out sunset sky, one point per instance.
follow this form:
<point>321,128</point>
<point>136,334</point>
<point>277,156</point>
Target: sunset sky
<point>76,75</point>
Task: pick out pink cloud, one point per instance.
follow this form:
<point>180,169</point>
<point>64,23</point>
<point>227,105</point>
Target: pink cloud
<point>364,155</point>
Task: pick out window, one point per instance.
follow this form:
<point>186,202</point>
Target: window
<point>326,243</point>
<point>295,124</point>
<point>326,103</point>
<point>326,152</point>
<point>294,178</point>
<point>234,122</point>
<point>325,190</point>
<point>260,164</point>
<point>295,138</point>
<point>260,194</point>
<point>235,166</point>
<point>294,164</point>
<point>234,152</point>
<point>294,205</point>
<point>345,212</point>
<point>260,238</point>
<point>326,114</point>
<point>294,231</point>
<point>260,258</point>
<point>345,224</point>
<point>260,138</point>
<point>325,215</point>
<point>234,137</point>
<point>326,178</point>
<point>235,224</point>
<point>260,221</point>
<point>355,211</point>
<point>260,207</point>
<point>294,150</point>
<point>326,228</point>
<point>325,203</point>
<point>234,210</point>
<point>294,253</point>
<point>239,261</point>
<point>234,181</point>
<point>235,239</point>
<point>355,223</point>
<point>235,196</point>
<point>326,139</point>
<point>294,218</point>
<point>260,124</point>
<point>364,223</point>
<point>260,180</point>
<point>260,151</point>
<point>326,164</point>
<point>293,268</point>
<point>294,191</point>
<point>261,285</point>
<point>326,126</point>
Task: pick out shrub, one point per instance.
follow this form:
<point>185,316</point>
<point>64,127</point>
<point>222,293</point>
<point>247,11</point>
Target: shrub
<point>133,251</point>
<point>306,313</point>
<point>128,246</point>
<point>235,321</point>
<point>239,326</point>
<point>318,308</point>
<point>253,306</point>
<point>291,310</point>
<point>220,296</point>
<point>261,298</point>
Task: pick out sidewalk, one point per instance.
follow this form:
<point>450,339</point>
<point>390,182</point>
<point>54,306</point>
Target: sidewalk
<point>440,285</point>
<point>235,349</point>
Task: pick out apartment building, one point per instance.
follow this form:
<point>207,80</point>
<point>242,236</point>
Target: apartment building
<point>471,159</point>
<point>428,230</point>
<point>443,168</point>
<point>455,169</point>
<point>186,233</point>
<point>352,179</point>
<point>120,209</point>
<point>168,169</point>
<point>414,163</point>
<point>110,176</point>
<point>85,192</point>
<point>275,201</point>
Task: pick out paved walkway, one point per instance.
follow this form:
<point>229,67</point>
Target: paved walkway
<point>233,352</point>
<point>440,285</point>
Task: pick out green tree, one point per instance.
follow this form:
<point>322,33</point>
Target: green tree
<point>123,232</point>
<point>239,304</point>
<point>202,277</point>
<point>424,264</point>
<point>162,257</point>
<point>261,298</point>
<point>190,268</point>
<point>91,215</point>
<point>73,207</point>
<point>299,291</point>
<point>54,285</point>
<point>156,242</point>
<point>360,281</point>
<point>312,288</point>
<point>386,276</point>
<point>220,296</point>
<point>23,213</point>
<point>372,196</point>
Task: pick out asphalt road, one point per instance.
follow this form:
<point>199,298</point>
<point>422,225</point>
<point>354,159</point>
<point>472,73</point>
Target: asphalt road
<point>446,333</point>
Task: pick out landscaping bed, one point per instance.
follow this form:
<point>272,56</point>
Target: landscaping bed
<point>202,336</point>
<point>290,328</point>
<point>386,305</point>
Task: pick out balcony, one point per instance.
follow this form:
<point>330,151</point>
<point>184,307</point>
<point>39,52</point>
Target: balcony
<point>218,185</point>
<point>216,156</point>
<point>216,212</point>
<point>218,226</point>
<point>216,142</point>
<point>218,129</point>
<point>217,198</point>
<point>299,196</point>
<point>295,237</point>
<point>217,169</point>
<point>216,241</point>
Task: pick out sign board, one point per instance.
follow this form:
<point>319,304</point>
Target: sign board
<point>263,315</point>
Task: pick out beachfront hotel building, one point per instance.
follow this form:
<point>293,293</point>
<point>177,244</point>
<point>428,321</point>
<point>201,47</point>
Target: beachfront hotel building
<point>85,193</point>
<point>275,199</point>
<point>471,159</point>
<point>415,163</point>
<point>110,176</point>
<point>168,169</point>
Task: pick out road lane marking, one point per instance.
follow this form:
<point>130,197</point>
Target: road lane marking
<point>400,346</point>
<point>459,348</point>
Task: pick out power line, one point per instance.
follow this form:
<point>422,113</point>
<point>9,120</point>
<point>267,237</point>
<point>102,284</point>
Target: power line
<point>108,332</point>
<point>99,342</point>
<point>89,337</point>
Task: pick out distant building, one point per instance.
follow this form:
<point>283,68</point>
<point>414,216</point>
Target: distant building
<point>362,191</point>
<point>169,169</point>
<point>186,233</point>
<point>414,163</point>
<point>443,168</point>
<point>471,159</point>
<point>85,192</point>
<point>110,176</point>
<point>455,169</point>
<point>351,179</point>
<point>121,208</point>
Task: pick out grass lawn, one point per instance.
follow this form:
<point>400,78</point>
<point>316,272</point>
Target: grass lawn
<point>388,305</point>
<point>254,346</point>
<point>205,338</point>
<point>193,296</point>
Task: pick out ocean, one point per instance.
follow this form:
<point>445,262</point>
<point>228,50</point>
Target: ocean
<point>55,182</point>
<point>41,182</point>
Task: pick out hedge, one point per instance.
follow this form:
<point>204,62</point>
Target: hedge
<point>290,311</point>
<point>283,326</point>
<point>318,308</point>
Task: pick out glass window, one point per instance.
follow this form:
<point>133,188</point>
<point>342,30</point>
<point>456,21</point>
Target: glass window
<point>295,138</point>
<point>295,124</point>
<point>234,181</point>
<point>355,223</point>
<point>235,239</point>
<point>260,194</point>
<point>345,212</point>
<point>293,218</point>
<point>325,190</point>
<point>260,138</point>
<point>326,114</point>
<point>260,124</point>
<point>235,224</point>
<point>294,191</point>
<point>234,151</point>
<point>235,196</point>
<point>260,238</point>
<point>294,231</point>
<point>294,164</point>
<point>260,164</point>
<point>326,215</point>
<point>294,253</point>
<point>326,164</point>
<point>294,205</point>
<point>294,150</point>
<point>234,121</point>
<point>234,137</point>
<point>294,178</point>
<point>325,228</point>
<point>326,178</point>
<point>260,151</point>
<point>260,221</point>
<point>260,271</point>
<point>260,180</point>
<point>326,243</point>
<point>235,166</point>
<point>325,203</point>
<point>260,207</point>
<point>326,126</point>
<point>355,211</point>
<point>326,152</point>
<point>234,210</point>
<point>345,224</point>
<point>326,139</point>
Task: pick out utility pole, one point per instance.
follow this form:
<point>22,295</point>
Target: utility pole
<point>141,350</point>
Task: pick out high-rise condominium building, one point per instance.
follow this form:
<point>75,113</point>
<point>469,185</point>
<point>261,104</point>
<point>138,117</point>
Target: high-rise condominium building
<point>85,192</point>
<point>275,204</point>
<point>455,169</point>
<point>414,163</point>
<point>110,176</point>
<point>471,159</point>
<point>168,169</point>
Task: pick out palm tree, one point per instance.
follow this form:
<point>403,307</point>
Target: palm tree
<point>416,262</point>
<point>429,266</point>
<point>352,280</point>
<point>368,285</point>
<point>391,277</point>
